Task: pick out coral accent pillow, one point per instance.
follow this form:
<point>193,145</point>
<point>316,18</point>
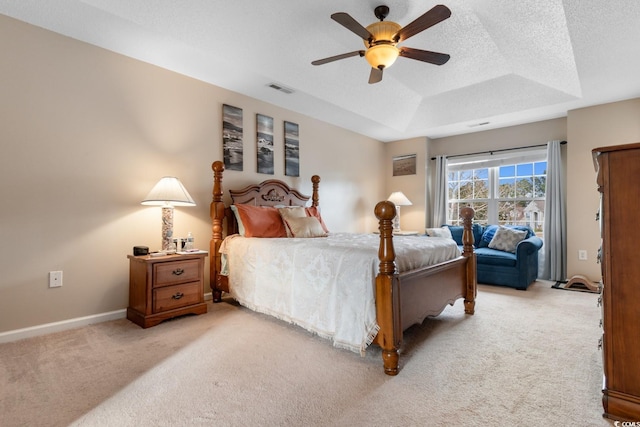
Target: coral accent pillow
<point>261,221</point>
<point>313,211</point>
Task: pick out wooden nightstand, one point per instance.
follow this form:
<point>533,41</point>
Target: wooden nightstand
<point>164,287</point>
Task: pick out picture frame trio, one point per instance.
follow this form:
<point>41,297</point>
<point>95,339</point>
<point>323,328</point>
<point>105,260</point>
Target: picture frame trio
<point>232,143</point>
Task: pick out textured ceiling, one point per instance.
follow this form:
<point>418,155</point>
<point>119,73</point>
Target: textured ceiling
<point>511,62</point>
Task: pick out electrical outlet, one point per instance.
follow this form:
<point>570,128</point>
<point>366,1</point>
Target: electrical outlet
<point>582,255</point>
<point>55,279</point>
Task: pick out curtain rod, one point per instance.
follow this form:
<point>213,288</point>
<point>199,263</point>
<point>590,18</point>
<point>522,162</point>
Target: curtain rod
<point>500,150</point>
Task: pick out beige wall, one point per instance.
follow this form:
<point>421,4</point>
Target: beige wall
<point>412,217</point>
<point>589,128</point>
<point>86,133</point>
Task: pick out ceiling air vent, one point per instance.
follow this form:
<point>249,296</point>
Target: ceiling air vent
<point>280,88</point>
<point>473,125</point>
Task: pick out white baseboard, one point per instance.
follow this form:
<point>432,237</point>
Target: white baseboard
<point>64,325</point>
<point>49,328</point>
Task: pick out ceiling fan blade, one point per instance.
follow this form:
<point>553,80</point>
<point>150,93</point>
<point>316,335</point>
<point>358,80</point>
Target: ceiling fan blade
<point>437,14</point>
<point>375,76</point>
<point>424,55</point>
<point>337,57</point>
<point>351,24</point>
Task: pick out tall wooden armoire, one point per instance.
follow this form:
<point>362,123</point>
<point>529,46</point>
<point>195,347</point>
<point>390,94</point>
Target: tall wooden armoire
<point>618,178</point>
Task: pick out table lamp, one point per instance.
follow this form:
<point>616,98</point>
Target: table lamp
<point>399,199</point>
<point>168,192</point>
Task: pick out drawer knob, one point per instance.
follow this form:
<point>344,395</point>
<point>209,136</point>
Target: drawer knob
<point>178,295</point>
<point>178,271</point>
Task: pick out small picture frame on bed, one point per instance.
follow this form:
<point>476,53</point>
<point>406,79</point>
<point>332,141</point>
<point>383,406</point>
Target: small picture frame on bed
<point>232,137</point>
<point>291,149</point>
<point>404,165</point>
<point>264,143</point>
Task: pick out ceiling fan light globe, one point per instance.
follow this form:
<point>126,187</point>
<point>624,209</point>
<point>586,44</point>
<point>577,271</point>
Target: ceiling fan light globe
<point>382,55</point>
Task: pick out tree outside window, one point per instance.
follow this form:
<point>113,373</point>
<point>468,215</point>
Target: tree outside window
<point>506,195</point>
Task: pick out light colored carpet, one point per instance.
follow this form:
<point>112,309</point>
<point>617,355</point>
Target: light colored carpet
<point>524,359</point>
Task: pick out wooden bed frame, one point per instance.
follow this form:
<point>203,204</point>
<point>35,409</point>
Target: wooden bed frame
<point>402,299</point>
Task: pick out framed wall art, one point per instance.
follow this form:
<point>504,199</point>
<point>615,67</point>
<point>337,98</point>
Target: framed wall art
<point>404,165</point>
<point>232,137</point>
<point>264,143</point>
<point>291,149</point>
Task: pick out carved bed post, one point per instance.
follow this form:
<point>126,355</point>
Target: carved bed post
<point>217,216</point>
<point>387,291</point>
<point>315,199</point>
<point>467,214</point>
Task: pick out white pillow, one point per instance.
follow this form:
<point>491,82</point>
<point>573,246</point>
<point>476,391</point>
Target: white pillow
<point>238,220</point>
<point>439,232</point>
<point>506,239</point>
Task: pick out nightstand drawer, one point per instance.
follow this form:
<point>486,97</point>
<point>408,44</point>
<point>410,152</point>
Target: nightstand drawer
<point>170,297</point>
<point>171,273</point>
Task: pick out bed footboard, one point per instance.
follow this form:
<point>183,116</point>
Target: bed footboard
<point>427,290</point>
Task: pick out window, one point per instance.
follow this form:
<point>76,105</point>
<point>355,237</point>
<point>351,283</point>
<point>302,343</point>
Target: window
<point>505,190</point>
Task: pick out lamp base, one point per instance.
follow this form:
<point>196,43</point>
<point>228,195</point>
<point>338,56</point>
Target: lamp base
<point>167,229</point>
<point>396,221</point>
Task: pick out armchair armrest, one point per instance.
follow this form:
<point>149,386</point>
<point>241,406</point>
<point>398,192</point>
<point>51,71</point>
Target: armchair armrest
<point>528,246</point>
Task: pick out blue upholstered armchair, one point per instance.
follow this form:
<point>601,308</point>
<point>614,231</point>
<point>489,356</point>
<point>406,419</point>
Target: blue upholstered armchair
<point>516,269</point>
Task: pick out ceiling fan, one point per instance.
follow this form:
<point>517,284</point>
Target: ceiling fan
<point>381,39</point>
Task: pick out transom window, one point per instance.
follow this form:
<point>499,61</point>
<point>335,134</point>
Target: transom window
<point>505,191</point>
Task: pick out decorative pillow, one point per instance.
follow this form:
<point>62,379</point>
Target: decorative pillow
<point>487,235</point>
<point>490,231</point>
<point>439,232</point>
<point>260,221</point>
<point>314,211</point>
<point>506,239</point>
<point>288,213</point>
<point>306,227</point>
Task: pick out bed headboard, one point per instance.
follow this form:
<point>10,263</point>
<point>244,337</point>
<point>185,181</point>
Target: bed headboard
<point>271,192</point>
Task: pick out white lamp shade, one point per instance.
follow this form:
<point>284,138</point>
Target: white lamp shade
<point>399,199</point>
<point>169,191</point>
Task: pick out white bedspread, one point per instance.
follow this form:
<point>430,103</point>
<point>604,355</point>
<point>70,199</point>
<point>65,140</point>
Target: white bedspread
<point>325,285</point>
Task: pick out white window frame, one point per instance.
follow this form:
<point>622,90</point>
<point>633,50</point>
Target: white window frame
<point>492,162</point>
